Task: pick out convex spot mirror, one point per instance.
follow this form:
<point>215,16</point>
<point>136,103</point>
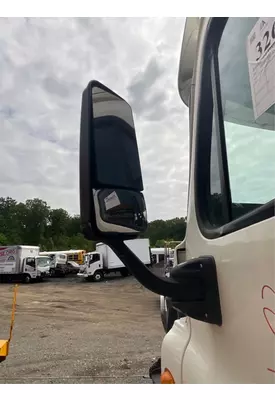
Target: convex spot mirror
<point>111,202</point>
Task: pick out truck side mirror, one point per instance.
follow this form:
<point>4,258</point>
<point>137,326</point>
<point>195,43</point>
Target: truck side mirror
<point>112,205</point>
<point>111,201</point>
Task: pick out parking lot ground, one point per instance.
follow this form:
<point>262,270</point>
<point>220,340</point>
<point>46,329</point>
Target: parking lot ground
<point>72,331</point>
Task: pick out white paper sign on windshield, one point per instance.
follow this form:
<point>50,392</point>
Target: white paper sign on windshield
<point>261,64</point>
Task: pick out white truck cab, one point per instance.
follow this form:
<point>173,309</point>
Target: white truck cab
<point>93,267</point>
<point>222,285</point>
<point>44,264</point>
<point>231,203</point>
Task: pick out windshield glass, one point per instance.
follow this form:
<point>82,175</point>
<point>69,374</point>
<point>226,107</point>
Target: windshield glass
<point>43,261</point>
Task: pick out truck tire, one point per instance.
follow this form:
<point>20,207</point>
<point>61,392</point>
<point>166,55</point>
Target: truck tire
<point>98,276</point>
<point>124,272</point>
<point>27,278</point>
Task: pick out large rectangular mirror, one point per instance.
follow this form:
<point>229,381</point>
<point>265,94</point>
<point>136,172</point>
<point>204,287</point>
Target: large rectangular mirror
<point>110,174</point>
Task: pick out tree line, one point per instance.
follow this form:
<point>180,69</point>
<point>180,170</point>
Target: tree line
<point>35,223</point>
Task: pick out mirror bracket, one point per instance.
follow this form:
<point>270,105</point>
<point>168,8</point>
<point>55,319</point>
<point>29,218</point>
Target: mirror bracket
<point>192,285</point>
<point>208,309</point>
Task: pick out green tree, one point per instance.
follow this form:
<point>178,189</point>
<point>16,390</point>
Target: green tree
<point>3,240</point>
<point>36,221</point>
<point>160,231</point>
<point>9,222</point>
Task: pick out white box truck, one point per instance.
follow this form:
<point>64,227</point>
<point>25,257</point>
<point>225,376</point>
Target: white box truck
<point>20,263</point>
<point>104,261</point>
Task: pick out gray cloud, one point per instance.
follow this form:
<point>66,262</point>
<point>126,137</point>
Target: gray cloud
<point>53,86</point>
<point>45,65</point>
<point>141,95</point>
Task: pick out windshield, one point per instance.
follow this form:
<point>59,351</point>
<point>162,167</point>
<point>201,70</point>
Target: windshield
<point>43,261</point>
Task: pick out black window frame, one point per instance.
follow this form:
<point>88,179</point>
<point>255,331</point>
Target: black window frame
<point>209,83</point>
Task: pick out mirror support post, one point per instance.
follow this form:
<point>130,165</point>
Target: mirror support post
<point>159,285</point>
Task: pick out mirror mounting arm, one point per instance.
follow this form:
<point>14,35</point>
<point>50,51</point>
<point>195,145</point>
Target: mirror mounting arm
<point>192,286</point>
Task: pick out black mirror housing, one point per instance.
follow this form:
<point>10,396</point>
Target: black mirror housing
<point>111,202</point>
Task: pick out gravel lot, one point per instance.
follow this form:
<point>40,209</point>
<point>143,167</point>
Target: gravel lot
<point>72,331</point>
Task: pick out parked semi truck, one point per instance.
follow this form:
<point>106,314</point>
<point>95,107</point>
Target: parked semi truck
<point>222,283</point>
<point>21,263</point>
<point>104,261</point>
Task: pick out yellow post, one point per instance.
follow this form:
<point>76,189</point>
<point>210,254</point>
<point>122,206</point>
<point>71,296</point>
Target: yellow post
<point>4,344</point>
<point>13,310</point>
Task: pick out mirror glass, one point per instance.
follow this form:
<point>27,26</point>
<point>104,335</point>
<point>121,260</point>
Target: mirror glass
<point>121,207</point>
<point>115,147</point>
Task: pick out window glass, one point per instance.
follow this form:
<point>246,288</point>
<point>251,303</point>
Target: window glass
<point>30,262</point>
<point>94,258</point>
<point>250,141</point>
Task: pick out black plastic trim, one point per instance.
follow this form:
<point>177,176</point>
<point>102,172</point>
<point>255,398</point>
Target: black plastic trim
<point>223,163</point>
<point>208,310</point>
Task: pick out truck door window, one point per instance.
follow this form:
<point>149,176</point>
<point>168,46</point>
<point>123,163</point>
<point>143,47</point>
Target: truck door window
<point>30,262</point>
<point>94,258</point>
<point>250,144</point>
<point>235,157</point>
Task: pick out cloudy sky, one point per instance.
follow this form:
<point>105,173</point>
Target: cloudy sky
<point>45,65</point>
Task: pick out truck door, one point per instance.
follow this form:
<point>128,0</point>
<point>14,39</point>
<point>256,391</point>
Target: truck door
<point>95,263</point>
<point>231,204</point>
<point>30,266</point>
